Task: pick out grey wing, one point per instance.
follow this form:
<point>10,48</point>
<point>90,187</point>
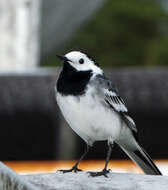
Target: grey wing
<point>114,101</point>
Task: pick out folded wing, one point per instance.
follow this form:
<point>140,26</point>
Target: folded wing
<point>115,102</point>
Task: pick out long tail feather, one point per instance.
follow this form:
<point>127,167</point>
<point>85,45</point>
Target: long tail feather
<point>143,160</point>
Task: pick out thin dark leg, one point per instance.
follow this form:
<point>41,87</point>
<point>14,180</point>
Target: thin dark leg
<point>108,156</point>
<point>104,171</point>
<point>75,167</point>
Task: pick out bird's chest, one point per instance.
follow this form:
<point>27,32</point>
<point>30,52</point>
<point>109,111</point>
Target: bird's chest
<point>83,114</point>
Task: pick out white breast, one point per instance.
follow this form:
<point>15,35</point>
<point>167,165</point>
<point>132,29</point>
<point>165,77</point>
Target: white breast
<point>89,118</point>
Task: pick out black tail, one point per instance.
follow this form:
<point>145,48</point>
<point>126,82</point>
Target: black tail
<point>143,160</point>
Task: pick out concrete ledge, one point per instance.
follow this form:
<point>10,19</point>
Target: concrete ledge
<point>82,181</point>
<point>9,180</point>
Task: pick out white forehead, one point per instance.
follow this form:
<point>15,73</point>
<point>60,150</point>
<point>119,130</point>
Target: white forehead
<point>76,55</point>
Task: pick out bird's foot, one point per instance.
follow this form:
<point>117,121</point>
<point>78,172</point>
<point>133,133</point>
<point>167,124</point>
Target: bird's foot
<point>73,169</point>
<point>104,172</point>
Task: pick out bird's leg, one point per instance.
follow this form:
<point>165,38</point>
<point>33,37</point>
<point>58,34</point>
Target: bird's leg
<point>75,167</point>
<point>104,171</point>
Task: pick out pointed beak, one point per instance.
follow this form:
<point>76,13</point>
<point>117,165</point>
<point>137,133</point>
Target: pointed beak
<point>63,58</point>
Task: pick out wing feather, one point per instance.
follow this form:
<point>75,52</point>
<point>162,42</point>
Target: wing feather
<point>114,101</point>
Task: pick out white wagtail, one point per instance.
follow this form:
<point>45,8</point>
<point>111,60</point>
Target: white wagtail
<point>95,111</point>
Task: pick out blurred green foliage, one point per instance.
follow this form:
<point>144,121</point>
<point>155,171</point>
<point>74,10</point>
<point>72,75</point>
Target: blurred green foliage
<point>124,33</point>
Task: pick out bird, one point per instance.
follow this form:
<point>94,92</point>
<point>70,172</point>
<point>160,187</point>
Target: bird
<point>93,108</point>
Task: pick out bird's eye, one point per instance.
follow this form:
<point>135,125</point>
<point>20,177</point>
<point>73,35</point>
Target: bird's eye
<point>81,61</point>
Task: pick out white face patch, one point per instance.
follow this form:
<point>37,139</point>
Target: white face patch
<point>81,62</point>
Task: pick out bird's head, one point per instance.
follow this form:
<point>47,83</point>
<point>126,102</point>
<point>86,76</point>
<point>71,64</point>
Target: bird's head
<point>80,62</point>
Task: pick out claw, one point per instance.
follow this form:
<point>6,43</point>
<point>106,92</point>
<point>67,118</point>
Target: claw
<point>104,172</point>
<point>73,169</point>
<point>65,171</point>
<point>77,170</point>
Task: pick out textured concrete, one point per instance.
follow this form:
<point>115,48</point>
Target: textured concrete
<point>82,181</point>
<point>9,180</point>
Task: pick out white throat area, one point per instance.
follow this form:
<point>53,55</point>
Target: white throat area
<point>81,62</point>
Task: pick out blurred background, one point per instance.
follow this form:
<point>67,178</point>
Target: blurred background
<point>127,38</point>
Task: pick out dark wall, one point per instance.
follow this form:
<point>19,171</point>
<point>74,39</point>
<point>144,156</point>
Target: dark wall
<point>28,117</point>
<point>32,127</point>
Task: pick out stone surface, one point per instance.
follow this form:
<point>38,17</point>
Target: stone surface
<point>9,180</point>
<point>82,181</point>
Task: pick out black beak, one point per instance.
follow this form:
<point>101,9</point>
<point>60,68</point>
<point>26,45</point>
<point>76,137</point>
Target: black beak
<point>63,58</point>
